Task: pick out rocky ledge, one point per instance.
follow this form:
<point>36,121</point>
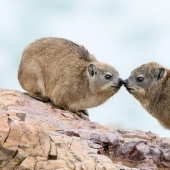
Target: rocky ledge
<point>36,135</point>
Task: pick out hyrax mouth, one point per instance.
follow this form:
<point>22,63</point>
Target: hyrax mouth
<point>120,83</point>
<point>116,87</point>
<point>125,83</point>
<point>129,88</point>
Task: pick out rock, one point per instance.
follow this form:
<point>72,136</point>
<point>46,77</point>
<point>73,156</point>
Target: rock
<point>28,163</point>
<point>36,135</point>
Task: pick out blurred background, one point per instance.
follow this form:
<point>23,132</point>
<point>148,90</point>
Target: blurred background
<point>122,33</point>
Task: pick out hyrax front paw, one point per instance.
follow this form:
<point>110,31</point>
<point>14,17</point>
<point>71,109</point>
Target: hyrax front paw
<point>83,114</point>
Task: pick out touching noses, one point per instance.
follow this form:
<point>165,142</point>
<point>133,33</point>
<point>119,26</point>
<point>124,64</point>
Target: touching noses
<point>120,81</point>
<point>125,82</point>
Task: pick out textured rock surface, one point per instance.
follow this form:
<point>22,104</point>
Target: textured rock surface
<point>36,135</point>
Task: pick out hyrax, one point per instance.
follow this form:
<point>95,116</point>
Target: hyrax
<point>150,84</point>
<point>59,70</point>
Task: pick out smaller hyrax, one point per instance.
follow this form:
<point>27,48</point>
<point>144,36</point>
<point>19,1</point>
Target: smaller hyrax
<point>150,84</point>
<point>59,70</point>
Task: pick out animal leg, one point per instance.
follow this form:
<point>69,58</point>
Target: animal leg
<point>39,97</point>
<point>83,114</point>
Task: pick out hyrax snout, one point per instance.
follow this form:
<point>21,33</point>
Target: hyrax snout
<point>150,84</point>
<point>59,70</point>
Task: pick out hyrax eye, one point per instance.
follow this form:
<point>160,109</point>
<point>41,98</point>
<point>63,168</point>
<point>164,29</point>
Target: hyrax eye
<point>140,79</point>
<point>108,76</point>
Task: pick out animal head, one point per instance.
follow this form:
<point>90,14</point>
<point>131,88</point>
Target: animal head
<point>104,78</point>
<point>145,80</point>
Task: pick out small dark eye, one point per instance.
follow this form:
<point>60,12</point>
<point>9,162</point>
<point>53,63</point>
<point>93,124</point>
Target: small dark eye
<point>140,79</point>
<point>108,76</point>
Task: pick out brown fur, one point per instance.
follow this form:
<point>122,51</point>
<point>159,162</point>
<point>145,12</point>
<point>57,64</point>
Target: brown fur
<point>153,92</point>
<point>62,71</point>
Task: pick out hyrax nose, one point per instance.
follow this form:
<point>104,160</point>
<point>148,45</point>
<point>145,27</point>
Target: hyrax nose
<point>120,81</point>
<point>125,82</point>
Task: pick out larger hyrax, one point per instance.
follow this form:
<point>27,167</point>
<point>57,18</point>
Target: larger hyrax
<point>64,72</point>
<point>150,84</point>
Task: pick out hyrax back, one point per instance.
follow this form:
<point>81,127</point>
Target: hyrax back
<point>150,84</point>
<point>64,72</point>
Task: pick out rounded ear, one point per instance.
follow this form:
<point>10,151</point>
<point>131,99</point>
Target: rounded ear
<point>160,73</point>
<point>92,69</point>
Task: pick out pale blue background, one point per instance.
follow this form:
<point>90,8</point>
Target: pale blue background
<point>123,33</point>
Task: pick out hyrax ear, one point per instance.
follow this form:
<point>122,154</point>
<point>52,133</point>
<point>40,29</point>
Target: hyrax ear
<point>92,69</point>
<point>160,73</point>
